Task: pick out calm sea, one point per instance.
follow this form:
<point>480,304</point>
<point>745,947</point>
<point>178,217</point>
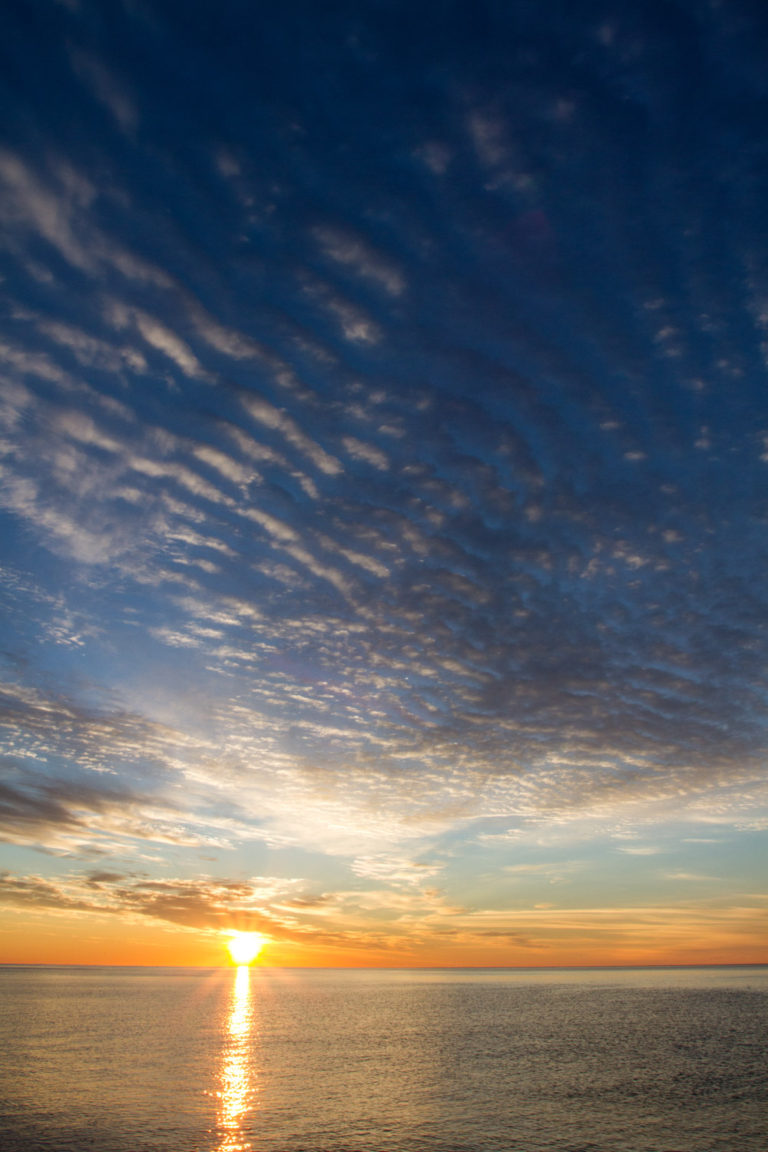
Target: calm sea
<point>239,1060</point>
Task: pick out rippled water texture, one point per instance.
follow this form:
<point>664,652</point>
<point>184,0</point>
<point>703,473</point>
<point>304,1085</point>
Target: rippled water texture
<point>139,1060</point>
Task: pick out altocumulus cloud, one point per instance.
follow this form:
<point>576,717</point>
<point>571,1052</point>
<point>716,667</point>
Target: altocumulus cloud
<point>359,484</point>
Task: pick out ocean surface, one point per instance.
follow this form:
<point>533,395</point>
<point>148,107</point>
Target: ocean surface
<point>460,1060</point>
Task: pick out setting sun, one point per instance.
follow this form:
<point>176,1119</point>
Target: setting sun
<point>244,947</point>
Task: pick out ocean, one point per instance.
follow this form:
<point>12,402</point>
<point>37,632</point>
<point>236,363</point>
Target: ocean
<point>459,1060</point>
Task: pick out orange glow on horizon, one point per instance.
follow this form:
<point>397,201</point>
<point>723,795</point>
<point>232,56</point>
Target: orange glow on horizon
<point>585,937</point>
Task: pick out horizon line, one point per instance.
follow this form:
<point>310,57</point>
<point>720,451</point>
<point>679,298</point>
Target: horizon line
<point>400,967</point>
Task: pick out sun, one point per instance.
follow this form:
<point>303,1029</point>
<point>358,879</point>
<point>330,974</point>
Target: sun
<point>244,947</point>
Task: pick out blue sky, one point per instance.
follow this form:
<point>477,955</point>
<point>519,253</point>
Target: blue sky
<point>385,477</point>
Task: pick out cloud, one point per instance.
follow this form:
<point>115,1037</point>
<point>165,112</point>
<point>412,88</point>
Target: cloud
<point>266,414</point>
<point>205,903</point>
<point>50,209</point>
<point>356,325</point>
<point>69,818</point>
<point>284,910</point>
<point>403,922</point>
<point>54,201</point>
<point>366,452</point>
<point>355,253</point>
<point>92,351</point>
<point>66,812</point>
<point>394,872</point>
<point>488,136</point>
<point>156,334</point>
<point>107,89</point>
<point>436,156</point>
<point>351,468</point>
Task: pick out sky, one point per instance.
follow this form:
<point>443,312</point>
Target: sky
<point>384,481</point>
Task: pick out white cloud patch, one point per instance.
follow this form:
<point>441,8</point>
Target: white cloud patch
<point>354,253</point>
<point>49,209</point>
<point>225,465</point>
<point>356,325</point>
<point>367,453</point>
<point>266,414</point>
<point>157,335</point>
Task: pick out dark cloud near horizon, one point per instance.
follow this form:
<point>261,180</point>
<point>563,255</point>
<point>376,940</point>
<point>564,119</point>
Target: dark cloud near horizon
<point>205,904</point>
<point>406,372</point>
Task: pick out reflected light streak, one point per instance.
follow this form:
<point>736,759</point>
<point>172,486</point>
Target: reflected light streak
<point>236,1087</point>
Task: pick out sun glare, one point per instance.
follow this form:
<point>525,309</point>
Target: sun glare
<point>244,947</point>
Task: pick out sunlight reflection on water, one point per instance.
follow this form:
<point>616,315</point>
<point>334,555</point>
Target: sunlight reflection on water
<point>176,1060</point>
<point>237,1089</point>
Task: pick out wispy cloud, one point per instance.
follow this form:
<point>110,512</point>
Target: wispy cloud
<point>354,253</point>
<point>107,89</point>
